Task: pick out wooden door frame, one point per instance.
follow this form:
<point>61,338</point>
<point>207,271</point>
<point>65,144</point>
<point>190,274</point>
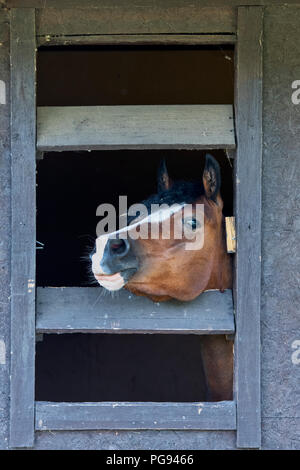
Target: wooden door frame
<point>248,114</point>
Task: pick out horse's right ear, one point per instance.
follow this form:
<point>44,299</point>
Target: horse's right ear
<point>164,182</point>
<point>211,177</point>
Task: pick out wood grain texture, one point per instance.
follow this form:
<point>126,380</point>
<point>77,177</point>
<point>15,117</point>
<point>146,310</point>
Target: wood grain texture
<point>136,39</point>
<point>280,231</point>
<point>130,415</point>
<point>5,230</point>
<point>23,169</point>
<point>131,18</point>
<point>45,4</point>
<point>147,439</point>
<point>82,309</point>
<point>230,234</point>
<point>248,224</point>
<point>129,127</point>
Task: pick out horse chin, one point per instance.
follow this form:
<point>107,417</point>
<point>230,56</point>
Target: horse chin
<point>161,295</point>
<point>114,282</point>
<point>153,297</point>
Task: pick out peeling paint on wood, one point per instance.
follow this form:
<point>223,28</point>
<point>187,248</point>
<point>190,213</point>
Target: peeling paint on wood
<point>130,415</point>
<point>80,309</point>
<point>23,227</point>
<point>2,92</point>
<point>2,352</point>
<point>128,127</point>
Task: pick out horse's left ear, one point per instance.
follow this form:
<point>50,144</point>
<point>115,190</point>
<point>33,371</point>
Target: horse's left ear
<point>164,182</point>
<point>211,177</point>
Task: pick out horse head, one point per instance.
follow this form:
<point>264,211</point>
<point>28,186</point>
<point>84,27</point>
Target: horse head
<point>163,267</point>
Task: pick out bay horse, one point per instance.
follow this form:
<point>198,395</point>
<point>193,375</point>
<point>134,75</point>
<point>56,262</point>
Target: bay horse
<point>163,269</point>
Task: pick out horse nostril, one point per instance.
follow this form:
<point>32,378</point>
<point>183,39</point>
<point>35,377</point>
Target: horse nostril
<point>119,247</point>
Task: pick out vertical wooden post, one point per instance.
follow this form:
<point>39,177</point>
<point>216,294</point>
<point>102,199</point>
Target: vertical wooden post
<point>248,224</point>
<point>23,130</point>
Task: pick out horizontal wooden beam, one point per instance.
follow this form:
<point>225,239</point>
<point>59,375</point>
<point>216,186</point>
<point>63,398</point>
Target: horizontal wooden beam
<point>85,309</point>
<point>133,416</point>
<point>70,4</point>
<point>131,18</point>
<point>135,127</point>
<point>136,39</point>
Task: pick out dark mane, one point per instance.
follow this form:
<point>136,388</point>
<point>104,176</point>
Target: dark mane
<point>181,192</point>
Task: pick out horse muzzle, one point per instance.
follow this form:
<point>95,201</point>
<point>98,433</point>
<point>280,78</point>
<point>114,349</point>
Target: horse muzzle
<point>114,262</point>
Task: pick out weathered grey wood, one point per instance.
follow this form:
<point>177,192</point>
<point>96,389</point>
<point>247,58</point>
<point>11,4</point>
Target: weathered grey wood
<point>130,415</point>
<point>131,18</point>
<point>248,224</point>
<point>5,227</point>
<point>23,126</point>
<point>39,155</point>
<point>118,127</point>
<point>150,3</point>
<point>136,39</point>
<point>74,309</point>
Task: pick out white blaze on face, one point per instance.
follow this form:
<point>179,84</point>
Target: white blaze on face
<point>115,281</point>
<point>97,257</point>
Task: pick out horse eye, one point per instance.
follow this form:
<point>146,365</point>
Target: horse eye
<point>193,224</point>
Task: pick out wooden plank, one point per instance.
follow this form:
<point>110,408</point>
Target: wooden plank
<point>75,309</point>
<point>130,127</point>
<point>129,18</point>
<point>248,224</point>
<point>133,416</point>
<point>136,39</point>
<point>23,169</point>
<point>230,234</point>
<point>150,3</point>
<point>5,226</point>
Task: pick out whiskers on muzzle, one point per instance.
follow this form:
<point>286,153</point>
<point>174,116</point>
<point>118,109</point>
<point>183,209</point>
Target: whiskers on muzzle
<point>86,258</point>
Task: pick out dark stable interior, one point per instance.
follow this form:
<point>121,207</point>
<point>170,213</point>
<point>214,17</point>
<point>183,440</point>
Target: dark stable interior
<point>104,367</point>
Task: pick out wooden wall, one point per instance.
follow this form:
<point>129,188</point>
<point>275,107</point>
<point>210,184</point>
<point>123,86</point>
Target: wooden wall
<point>280,260</point>
<point>280,320</point>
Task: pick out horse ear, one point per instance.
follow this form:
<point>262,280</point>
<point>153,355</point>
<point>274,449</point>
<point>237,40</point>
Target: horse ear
<point>211,177</point>
<point>164,182</point>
